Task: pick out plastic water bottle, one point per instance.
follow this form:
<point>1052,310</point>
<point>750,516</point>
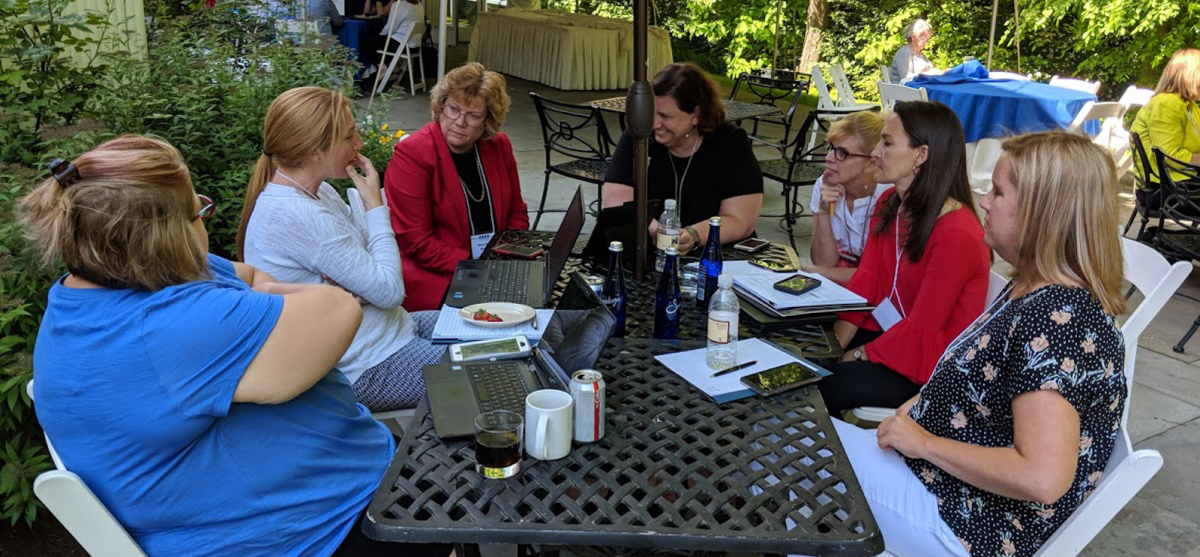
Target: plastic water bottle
<point>723,325</point>
<point>613,292</point>
<point>668,233</point>
<point>666,300</point>
<point>710,264</point>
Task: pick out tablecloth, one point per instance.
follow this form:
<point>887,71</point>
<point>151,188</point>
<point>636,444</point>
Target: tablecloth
<point>353,34</point>
<point>997,108</point>
<point>563,50</point>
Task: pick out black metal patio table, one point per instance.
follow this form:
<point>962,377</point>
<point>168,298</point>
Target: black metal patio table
<point>734,110</point>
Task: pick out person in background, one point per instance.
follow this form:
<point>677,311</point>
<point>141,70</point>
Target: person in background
<point>319,10</point>
<point>925,266</point>
<point>845,196</point>
<point>454,183</point>
<point>1171,120</point>
<point>910,61</point>
<point>207,384</point>
<point>1019,419</point>
<point>295,226</point>
<point>698,159</point>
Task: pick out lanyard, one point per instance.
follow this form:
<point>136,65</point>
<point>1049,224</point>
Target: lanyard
<point>486,190</point>
<point>847,214</point>
<point>896,275</point>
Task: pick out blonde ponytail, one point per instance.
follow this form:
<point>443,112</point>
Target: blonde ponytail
<point>263,170</point>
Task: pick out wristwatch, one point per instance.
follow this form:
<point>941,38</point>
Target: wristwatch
<point>691,230</point>
<point>858,355</point>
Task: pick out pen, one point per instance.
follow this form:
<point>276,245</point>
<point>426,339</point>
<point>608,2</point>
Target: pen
<point>738,367</point>
<point>831,210</point>
<point>535,323</point>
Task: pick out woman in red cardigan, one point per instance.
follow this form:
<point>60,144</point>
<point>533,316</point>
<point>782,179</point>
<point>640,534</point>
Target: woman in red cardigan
<point>925,266</point>
<point>454,183</point>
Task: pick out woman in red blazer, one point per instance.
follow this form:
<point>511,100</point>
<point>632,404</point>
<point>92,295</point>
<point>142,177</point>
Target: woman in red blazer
<point>454,183</point>
<point>925,266</point>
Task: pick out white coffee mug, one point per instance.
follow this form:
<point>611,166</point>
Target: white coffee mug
<point>548,424</point>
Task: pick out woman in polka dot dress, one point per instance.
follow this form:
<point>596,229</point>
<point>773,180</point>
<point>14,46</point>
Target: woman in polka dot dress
<point>1014,429</point>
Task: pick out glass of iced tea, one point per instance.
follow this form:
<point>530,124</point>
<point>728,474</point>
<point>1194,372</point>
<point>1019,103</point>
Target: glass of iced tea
<point>499,438</point>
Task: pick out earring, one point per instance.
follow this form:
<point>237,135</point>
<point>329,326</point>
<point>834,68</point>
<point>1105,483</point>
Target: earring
<point>916,168</point>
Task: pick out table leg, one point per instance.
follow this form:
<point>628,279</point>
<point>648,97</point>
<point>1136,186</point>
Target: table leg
<point>497,550</point>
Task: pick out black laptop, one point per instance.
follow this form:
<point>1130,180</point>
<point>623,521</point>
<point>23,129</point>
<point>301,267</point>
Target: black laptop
<point>573,340</point>
<point>521,282</point>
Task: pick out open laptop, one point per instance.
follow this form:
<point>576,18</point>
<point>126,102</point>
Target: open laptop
<point>573,340</point>
<point>522,282</point>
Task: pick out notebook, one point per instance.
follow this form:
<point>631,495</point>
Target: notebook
<point>693,367</point>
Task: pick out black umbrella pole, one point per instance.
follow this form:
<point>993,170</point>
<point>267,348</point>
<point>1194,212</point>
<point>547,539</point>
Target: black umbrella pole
<point>640,113</point>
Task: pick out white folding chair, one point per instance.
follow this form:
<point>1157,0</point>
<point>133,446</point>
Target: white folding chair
<point>890,94</point>
<point>1076,84</point>
<point>407,49</point>
<point>1135,96</point>
<point>828,110</point>
<point>1010,75</point>
<point>1128,470</point>
<point>1113,135</point>
<point>80,511</point>
<point>887,74</point>
<point>845,92</point>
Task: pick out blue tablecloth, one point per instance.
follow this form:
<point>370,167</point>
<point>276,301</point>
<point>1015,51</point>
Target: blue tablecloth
<point>354,35</point>
<point>990,108</point>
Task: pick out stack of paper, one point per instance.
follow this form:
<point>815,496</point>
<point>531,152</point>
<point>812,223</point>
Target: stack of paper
<point>693,367</point>
<point>758,286</point>
<point>452,328</point>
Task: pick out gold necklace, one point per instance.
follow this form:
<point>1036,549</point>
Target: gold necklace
<point>482,184</point>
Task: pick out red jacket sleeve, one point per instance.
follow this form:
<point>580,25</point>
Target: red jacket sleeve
<point>518,212</point>
<point>409,186</point>
<point>913,346</point>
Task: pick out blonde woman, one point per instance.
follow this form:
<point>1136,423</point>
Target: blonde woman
<point>845,196</point>
<point>296,227</point>
<point>1016,425</point>
<point>1171,120</point>
<point>206,384</point>
<point>454,183</point>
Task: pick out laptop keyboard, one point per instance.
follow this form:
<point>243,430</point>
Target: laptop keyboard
<point>499,386</point>
<point>507,281</point>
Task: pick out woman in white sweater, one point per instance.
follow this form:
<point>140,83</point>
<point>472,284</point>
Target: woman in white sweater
<point>296,227</point>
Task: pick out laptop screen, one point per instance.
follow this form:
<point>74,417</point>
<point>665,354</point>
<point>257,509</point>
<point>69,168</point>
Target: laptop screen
<point>564,239</point>
<point>580,328</point>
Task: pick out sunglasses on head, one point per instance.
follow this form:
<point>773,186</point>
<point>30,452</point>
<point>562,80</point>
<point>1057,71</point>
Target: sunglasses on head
<point>207,208</point>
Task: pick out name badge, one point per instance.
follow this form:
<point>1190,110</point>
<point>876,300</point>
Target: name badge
<point>885,314</point>
<point>479,243</point>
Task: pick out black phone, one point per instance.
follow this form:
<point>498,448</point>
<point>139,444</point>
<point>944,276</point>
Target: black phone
<point>783,378</point>
<point>515,250</point>
<point>797,284</point>
<point>751,245</point>
<point>772,265</point>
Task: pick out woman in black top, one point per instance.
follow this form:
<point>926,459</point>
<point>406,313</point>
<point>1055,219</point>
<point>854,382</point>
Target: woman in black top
<point>702,162</point>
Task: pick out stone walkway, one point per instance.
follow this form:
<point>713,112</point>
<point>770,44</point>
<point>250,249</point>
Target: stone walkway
<point>1164,519</point>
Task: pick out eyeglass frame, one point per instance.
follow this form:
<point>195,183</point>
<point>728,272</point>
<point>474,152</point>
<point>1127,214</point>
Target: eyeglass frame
<point>837,152</point>
<point>448,110</point>
<point>207,208</point>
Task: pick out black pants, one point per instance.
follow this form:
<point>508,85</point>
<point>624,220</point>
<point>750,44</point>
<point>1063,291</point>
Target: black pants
<point>357,544</point>
<point>855,384</point>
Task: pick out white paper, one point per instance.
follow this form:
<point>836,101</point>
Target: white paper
<point>452,328</point>
<point>693,367</point>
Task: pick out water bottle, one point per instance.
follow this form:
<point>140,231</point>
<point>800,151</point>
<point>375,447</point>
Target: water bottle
<point>710,264</point>
<point>666,300</point>
<point>613,292</point>
<point>668,233</point>
<point>723,325</point>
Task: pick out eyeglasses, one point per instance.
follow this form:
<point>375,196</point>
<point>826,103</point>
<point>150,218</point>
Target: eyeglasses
<point>841,153</point>
<point>207,208</point>
<point>453,112</point>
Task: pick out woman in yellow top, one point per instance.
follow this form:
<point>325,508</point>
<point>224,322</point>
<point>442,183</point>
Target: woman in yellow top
<point>1171,120</point>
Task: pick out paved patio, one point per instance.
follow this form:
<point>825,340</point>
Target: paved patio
<point>1164,519</point>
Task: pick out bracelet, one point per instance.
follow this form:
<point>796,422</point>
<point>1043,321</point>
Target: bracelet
<point>691,230</point>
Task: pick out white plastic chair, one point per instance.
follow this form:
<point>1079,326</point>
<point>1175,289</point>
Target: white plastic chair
<point>1113,135</point>
<point>1076,84</point>
<point>407,50</point>
<point>1128,470</point>
<point>80,511</point>
<point>1135,96</point>
<point>828,110</point>
<point>845,91</point>
<point>1010,75</point>
<point>887,74</point>
<point>890,94</point>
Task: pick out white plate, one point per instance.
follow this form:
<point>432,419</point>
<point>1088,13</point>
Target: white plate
<point>512,314</point>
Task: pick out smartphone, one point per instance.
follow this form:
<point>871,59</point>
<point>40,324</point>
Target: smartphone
<point>797,284</point>
<point>510,348</point>
<point>524,252</point>
<point>783,378</point>
<point>777,266</point>
<point>751,245</point>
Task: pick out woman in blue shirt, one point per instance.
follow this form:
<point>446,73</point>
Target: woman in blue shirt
<point>205,416</point>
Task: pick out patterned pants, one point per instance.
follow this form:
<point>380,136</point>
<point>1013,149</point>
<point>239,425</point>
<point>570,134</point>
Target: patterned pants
<point>396,382</point>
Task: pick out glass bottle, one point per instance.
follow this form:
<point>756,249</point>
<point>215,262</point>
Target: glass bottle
<point>613,293</point>
<point>710,264</point>
<point>666,300</point>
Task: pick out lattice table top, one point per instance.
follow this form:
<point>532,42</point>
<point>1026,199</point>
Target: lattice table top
<point>674,471</point>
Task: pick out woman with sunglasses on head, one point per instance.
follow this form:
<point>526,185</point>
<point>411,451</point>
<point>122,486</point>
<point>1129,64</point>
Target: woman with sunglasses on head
<point>454,184</point>
<point>207,416</point>
<point>845,196</point>
<point>296,227</point>
<point>925,267</point>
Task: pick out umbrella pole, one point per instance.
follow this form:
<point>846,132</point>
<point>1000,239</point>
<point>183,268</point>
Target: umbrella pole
<point>640,114</point>
<point>992,36</point>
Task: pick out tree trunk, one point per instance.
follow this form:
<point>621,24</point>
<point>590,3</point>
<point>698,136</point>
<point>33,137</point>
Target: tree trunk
<point>818,15</point>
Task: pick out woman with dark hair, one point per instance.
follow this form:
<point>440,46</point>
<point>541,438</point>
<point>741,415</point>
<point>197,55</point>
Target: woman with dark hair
<point>702,162</point>
<point>925,267</point>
